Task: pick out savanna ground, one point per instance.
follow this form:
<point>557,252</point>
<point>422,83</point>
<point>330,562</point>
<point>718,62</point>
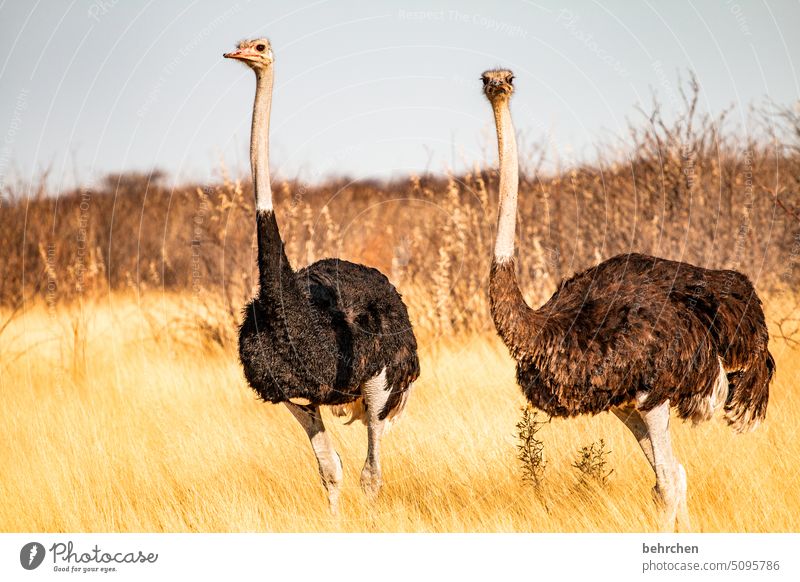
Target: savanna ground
<point>123,407</point>
<point>145,433</point>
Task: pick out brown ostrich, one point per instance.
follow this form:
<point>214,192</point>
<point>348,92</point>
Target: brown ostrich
<point>634,335</point>
<point>333,333</point>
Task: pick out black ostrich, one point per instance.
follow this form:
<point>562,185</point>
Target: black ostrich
<point>334,333</point>
<point>634,335</point>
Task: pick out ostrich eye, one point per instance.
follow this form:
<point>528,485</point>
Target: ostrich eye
<point>485,80</point>
<point>260,47</point>
<point>510,80</point>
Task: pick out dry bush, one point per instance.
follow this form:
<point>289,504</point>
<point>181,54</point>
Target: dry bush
<point>592,465</point>
<point>687,188</point>
<point>530,449</point>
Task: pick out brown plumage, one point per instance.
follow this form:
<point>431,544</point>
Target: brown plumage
<point>635,324</point>
<point>634,335</point>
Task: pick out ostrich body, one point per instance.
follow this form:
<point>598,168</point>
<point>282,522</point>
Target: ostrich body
<point>333,333</point>
<point>634,335</point>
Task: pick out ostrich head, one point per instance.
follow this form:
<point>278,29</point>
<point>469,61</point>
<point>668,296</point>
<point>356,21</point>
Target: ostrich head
<point>256,53</point>
<point>498,84</point>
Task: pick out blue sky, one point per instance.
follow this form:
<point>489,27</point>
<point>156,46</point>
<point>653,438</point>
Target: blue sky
<point>366,89</point>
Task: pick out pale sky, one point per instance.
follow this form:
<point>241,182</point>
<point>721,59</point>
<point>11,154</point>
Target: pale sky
<point>365,89</point>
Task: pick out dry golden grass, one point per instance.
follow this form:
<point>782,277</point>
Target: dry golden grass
<point>120,420</point>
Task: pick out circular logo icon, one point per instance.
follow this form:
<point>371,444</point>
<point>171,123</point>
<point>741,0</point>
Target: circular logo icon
<point>31,555</point>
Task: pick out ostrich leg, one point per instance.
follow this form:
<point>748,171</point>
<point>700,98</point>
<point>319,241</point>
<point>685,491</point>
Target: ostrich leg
<point>670,475</point>
<point>330,465</point>
<point>633,420</point>
<point>635,423</point>
<point>375,393</point>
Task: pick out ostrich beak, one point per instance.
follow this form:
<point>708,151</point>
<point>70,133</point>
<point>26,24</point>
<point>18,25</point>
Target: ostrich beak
<point>241,54</point>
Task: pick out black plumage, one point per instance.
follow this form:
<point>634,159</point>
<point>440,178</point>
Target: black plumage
<point>321,332</point>
<point>334,333</point>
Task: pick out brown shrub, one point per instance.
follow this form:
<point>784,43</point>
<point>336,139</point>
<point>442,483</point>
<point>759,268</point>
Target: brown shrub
<point>688,189</point>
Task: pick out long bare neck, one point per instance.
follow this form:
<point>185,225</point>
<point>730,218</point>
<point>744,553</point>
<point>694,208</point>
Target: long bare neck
<point>276,278</point>
<point>280,293</point>
<point>259,140</point>
<point>512,317</point>
<point>509,182</point>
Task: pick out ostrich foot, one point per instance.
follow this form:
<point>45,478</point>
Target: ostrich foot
<point>371,482</point>
<point>672,503</point>
<point>330,471</point>
<point>333,501</point>
<point>668,509</point>
<point>333,489</point>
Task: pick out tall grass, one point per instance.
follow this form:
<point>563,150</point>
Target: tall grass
<point>155,431</point>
